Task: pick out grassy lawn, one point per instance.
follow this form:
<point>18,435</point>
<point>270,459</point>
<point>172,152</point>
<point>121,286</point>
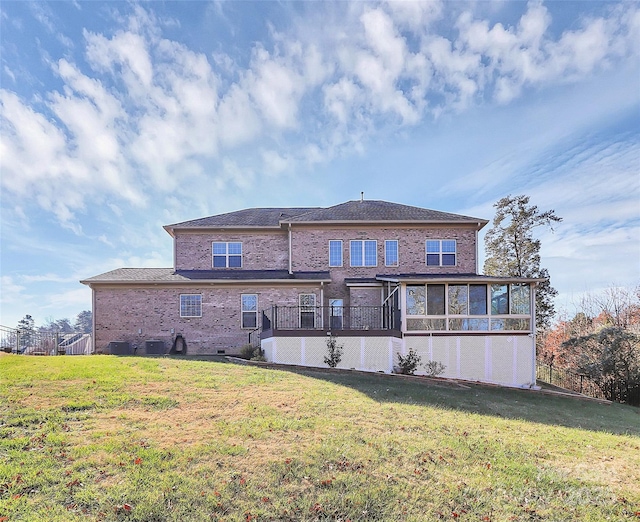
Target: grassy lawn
<point>154,439</point>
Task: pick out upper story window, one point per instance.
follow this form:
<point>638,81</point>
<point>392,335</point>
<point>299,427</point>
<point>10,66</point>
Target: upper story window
<point>335,253</point>
<point>190,305</point>
<point>391,252</point>
<point>364,253</point>
<point>441,252</point>
<point>227,254</point>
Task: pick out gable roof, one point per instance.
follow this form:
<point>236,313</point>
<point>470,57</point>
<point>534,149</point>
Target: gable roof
<point>249,217</point>
<point>360,211</point>
<point>379,211</point>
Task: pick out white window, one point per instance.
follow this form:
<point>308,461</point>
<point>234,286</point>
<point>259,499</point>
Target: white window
<point>336,313</point>
<point>307,308</point>
<point>335,253</point>
<point>364,253</point>
<point>227,254</point>
<point>190,305</point>
<point>391,252</point>
<point>249,310</point>
<point>441,252</point>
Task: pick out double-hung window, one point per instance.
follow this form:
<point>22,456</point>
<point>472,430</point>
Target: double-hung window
<point>441,252</point>
<point>307,309</point>
<point>364,253</point>
<point>227,254</point>
<point>249,310</point>
<point>335,252</point>
<point>190,305</point>
<point>391,252</point>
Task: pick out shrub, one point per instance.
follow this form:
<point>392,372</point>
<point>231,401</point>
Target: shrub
<point>434,368</point>
<point>408,364</point>
<point>258,355</point>
<point>335,352</point>
<point>247,351</point>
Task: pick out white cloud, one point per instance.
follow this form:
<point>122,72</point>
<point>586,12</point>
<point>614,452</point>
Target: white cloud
<point>153,115</point>
<point>415,15</point>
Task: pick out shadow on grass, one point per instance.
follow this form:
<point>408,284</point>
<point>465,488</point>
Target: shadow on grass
<point>507,403</point>
<point>482,399</point>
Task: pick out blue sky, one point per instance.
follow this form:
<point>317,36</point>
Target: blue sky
<point>120,117</point>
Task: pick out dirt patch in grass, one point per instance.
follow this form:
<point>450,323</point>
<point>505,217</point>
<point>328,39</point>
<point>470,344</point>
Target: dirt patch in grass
<point>619,471</point>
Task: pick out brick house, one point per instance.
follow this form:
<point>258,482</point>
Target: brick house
<point>381,277</point>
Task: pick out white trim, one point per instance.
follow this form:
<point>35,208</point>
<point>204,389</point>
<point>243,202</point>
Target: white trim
<point>312,306</point>
<point>341,253</point>
<point>397,263</point>
<point>227,255</point>
<point>180,305</point>
<point>364,255</point>
<point>447,316</point>
<point>359,284</point>
<point>477,253</point>
<point>243,311</point>
<point>440,253</point>
<point>532,296</point>
<point>175,254</point>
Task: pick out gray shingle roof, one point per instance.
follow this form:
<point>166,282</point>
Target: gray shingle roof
<point>250,217</point>
<point>351,211</point>
<point>377,211</point>
<point>169,275</point>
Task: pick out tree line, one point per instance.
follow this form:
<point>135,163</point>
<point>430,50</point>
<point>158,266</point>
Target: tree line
<point>82,324</point>
<point>602,339</point>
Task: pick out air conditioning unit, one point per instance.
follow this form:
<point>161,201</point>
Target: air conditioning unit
<point>120,348</point>
<point>154,347</point>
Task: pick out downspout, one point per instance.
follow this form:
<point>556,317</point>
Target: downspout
<point>290,262</point>
<point>533,332</point>
<point>93,319</point>
<point>477,253</point>
<point>322,302</point>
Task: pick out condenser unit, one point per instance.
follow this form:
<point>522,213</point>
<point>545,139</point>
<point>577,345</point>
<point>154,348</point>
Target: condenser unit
<point>154,347</point>
<point>120,348</point>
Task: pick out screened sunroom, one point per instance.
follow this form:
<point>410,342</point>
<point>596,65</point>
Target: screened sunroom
<point>472,305</point>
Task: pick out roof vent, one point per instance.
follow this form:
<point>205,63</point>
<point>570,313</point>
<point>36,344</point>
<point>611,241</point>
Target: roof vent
<point>361,197</point>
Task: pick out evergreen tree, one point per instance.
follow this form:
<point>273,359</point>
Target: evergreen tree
<point>84,322</point>
<point>512,250</point>
<point>26,327</point>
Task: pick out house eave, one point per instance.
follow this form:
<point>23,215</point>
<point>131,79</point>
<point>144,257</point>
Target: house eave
<point>478,223</point>
<point>217,228</point>
<point>191,282</point>
<point>457,278</point>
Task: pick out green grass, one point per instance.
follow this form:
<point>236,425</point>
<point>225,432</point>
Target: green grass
<point>155,439</point>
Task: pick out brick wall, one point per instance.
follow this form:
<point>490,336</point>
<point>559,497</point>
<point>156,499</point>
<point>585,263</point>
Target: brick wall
<point>260,250</point>
<point>310,249</point>
<point>121,312</point>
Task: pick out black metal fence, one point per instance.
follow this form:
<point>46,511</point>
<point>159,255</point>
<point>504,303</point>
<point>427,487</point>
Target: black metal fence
<point>568,380</point>
<point>33,342</point>
<point>330,318</point>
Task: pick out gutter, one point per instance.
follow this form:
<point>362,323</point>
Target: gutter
<point>191,282</point>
